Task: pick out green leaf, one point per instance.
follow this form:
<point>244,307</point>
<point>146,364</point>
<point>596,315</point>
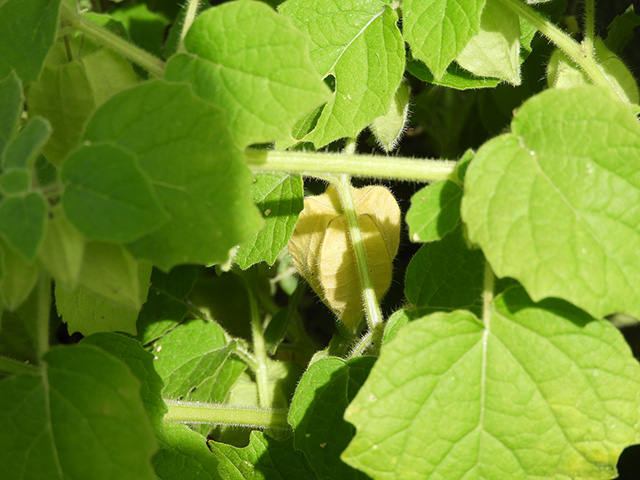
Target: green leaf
<point>23,221</point>
<point>184,454</point>
<point>454,77</point>
<point>438,30</point>
<point>166,304</point>
<point>109,270</point>
<point>453,398</point>
<point>324,392</point>
<point>254,64</point>
<point>18,277</point>
<point>87,312</point>
<point>494,50</point>
<point>145,28</point>
<point>445,275</point>
<point>68,91</point>
<point>620,30</point>
<point>62,250</point>
<point>140,363</point>
<point>280,198</point>
<point>359,46</point>
<point>15,181</point>
<point>562,72</point>
<point>28,33</point>
<point>11,101</point>
<point>182,144</point>
<point>188,356</point>
<point>434,211</point>
<point>19,330</point>
<point>56,423</point>
<point>107,197</point>
<point>388,128</point>
<point>554,203</point>
<point>263,459</point>
<point>23,150</point>
<point>394,323</point>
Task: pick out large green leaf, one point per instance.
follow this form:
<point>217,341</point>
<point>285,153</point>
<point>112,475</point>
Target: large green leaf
<point>556,203</point>
<point>317,408</point>
<point>183,145</point>
<point>438,30</point>
<point>358,44</point>
<point>263,459</point>
<point>280,198</point>
<point>54,425</point>
<point>107,197</point>
<point>453,398</point>
<point>254,64</point>
<point>28,32</point>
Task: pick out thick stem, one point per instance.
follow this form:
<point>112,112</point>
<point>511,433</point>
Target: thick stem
<point>260,353</point>
<point>110,40</point>
<point>323,164</point>
<point>564,42</point>
<point>189,17</point>
<point>589,26</point>
<point>195,412</point>
<point>487,292</point>
<point>370,300</point>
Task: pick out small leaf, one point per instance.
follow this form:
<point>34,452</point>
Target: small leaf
<point>23,221</point>
<point>359,45</point>
<point>24,148</point>
<point>264,458</point>
<point>317,408</point>
<point>254,64</point>
<point>445,275</point>
<point>107,197</point>
<point>494,50</point>
<point>438,30</point>
<point>27,34</point>
<point>476,404</point>
<point>280,198</point>
<point>555,203</point>
<point>621,30</point>
<point>388,128</point>
<point>434,211</point>
<point>15,181</point>
<point>18,277</point>
<point>90,390</point>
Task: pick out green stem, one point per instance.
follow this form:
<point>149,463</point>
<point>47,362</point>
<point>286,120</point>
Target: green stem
<point>487,293</point>
<point>110,40</point>
<point>370,300</point>
<point>195,412</point>
<point>362,345</point>
<point>189,17</point>
<point>322,164</point>
<point>589,26</point>
<point>564,42</point>
<point>42,313</point>
<point>260,353</point>
<point>15,367</point>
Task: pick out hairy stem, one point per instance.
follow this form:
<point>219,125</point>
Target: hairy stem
<point>110,40</point>
<point>321,164</point>
<point>195,412</point>
<point>192,7</point>
<point>260,353</point>
<point>589,26</point>
<point>578,53</point>
<point>370,300</point>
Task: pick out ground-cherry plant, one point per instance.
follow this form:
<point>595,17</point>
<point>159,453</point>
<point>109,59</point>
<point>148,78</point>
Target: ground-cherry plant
<point>202,208</point>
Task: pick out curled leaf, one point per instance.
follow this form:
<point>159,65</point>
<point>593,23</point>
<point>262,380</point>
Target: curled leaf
<point>321,247</point>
